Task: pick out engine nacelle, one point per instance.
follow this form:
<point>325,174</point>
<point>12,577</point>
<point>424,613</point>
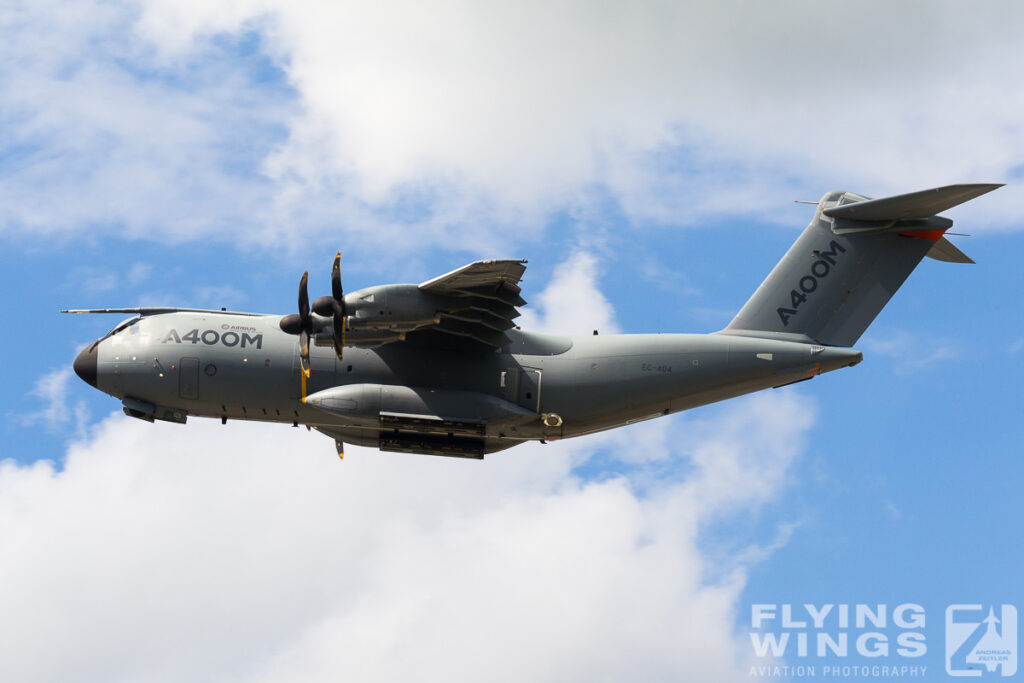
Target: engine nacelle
<point>400,307</point>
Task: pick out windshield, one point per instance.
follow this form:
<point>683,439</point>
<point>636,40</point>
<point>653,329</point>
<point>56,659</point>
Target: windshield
<point>127,323</point>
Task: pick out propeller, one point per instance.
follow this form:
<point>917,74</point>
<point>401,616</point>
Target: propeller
<point>334,306</point>
<point>301,324</point>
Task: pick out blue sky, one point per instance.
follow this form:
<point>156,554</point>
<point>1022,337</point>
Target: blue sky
<point>644,159</point>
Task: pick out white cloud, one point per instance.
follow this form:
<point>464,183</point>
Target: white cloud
<point>679,109</point>
<point>139,273</point>
<point>92,280</point>
<point>909,353</point>
<point>52,389</point>
<point>572,302</point>
<point>466,125</point>
<point>892,509</point>
<point>214,296</point>
<point>98,138</point>
<point>248,552</point>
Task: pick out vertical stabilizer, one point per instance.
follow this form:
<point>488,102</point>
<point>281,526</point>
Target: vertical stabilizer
<point>849,262</point>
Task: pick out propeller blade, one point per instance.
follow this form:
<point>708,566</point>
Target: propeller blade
<point>304,300</point>
<point>304,352</point>
<point>336,291</point>
<point>338,318</point>
<point>339,334</point>
<point>301,324</point>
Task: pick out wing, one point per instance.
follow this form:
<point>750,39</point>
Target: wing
<point>489,276</point>
<point>482,300</point>
<point>465,308</point>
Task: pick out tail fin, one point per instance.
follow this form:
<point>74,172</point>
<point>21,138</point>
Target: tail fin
<point>849,262</point>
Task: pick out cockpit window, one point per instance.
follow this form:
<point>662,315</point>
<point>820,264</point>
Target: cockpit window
<point>124,325</point>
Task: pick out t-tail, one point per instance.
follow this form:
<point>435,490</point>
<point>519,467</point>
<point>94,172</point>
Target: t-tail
<point>849,262</point>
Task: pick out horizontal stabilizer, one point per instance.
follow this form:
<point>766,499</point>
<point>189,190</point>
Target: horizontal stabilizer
<point>944,250</point>
<point>923,204</point>
<point>848,226</point>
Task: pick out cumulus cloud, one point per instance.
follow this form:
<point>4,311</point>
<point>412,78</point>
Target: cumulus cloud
<point>52,389</point>
<point>248,552</point>
<point>415,126</point>
<point>675,109</point>
<point>99,138</point>
<point>572,302</point>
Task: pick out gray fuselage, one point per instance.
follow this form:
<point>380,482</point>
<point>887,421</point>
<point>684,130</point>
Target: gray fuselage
<point>537,387</point>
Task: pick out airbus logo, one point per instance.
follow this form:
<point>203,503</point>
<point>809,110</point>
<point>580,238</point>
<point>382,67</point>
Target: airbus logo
<point>808,284</point>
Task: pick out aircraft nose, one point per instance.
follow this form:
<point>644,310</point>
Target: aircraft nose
<point>86,364</point>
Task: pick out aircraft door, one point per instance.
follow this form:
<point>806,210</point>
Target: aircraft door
<point>509,381</point>
<point>188,378</point>
<point>529,389</point>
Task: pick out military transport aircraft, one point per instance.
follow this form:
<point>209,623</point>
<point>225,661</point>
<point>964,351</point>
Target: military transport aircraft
<point>441,368</point>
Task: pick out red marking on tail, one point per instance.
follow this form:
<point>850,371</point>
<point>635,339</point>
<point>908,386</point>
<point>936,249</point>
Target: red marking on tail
<point>930,235</point>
